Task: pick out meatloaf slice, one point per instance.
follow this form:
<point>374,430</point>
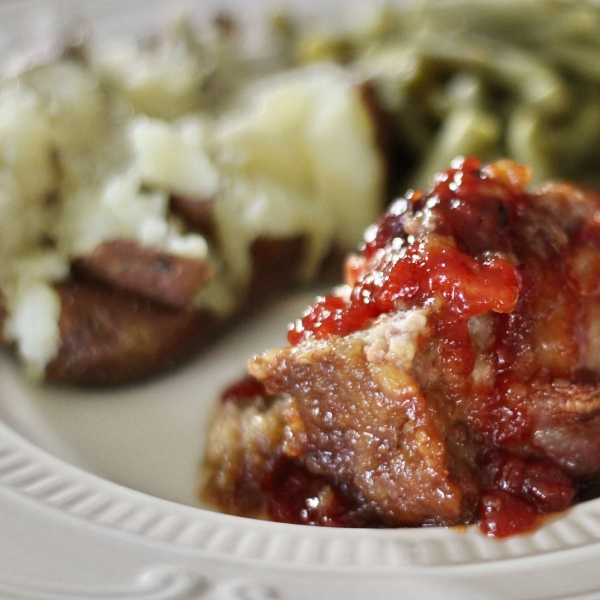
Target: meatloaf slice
<point>455,377</point>
<point>369,428</point>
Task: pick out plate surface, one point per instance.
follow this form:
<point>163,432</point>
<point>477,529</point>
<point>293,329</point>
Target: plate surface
<point>98,488</point>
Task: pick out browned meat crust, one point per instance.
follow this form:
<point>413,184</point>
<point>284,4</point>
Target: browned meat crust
<point>247,446</point>
<point>369,424</point>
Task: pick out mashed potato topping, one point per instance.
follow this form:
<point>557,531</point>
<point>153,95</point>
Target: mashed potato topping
<point>95,145</point>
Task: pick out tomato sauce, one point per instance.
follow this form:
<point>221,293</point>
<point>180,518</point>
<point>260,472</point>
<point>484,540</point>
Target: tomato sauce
<point>396,270</point>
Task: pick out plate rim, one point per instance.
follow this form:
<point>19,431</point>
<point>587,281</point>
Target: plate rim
<point>53,483</point>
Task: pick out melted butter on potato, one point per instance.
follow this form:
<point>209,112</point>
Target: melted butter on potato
<point>300,158</point>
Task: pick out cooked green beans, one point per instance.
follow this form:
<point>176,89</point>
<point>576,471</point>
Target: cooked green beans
<point>532,68</point>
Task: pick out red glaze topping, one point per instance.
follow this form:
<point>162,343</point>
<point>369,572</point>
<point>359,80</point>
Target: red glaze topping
<point>415,274</point>
<point>398,269</point>
<point>297,496</point>
<point>519,491</point>
<point>247,389</point>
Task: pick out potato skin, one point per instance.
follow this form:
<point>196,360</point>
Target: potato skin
<point>151,273</point>
<point>276,261</point>
<point>276,267</point>
<point>110,338</point>
<point>198,215</point>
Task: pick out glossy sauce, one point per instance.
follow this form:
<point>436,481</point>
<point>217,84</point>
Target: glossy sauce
<point>397,269</point>
<point>518,492</point>
<point>297,496</point>
<point>245,390</point>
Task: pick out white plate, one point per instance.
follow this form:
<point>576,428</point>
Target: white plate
<point>98,488</point>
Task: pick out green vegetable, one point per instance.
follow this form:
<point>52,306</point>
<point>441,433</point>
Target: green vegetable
<point>510,78</point>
